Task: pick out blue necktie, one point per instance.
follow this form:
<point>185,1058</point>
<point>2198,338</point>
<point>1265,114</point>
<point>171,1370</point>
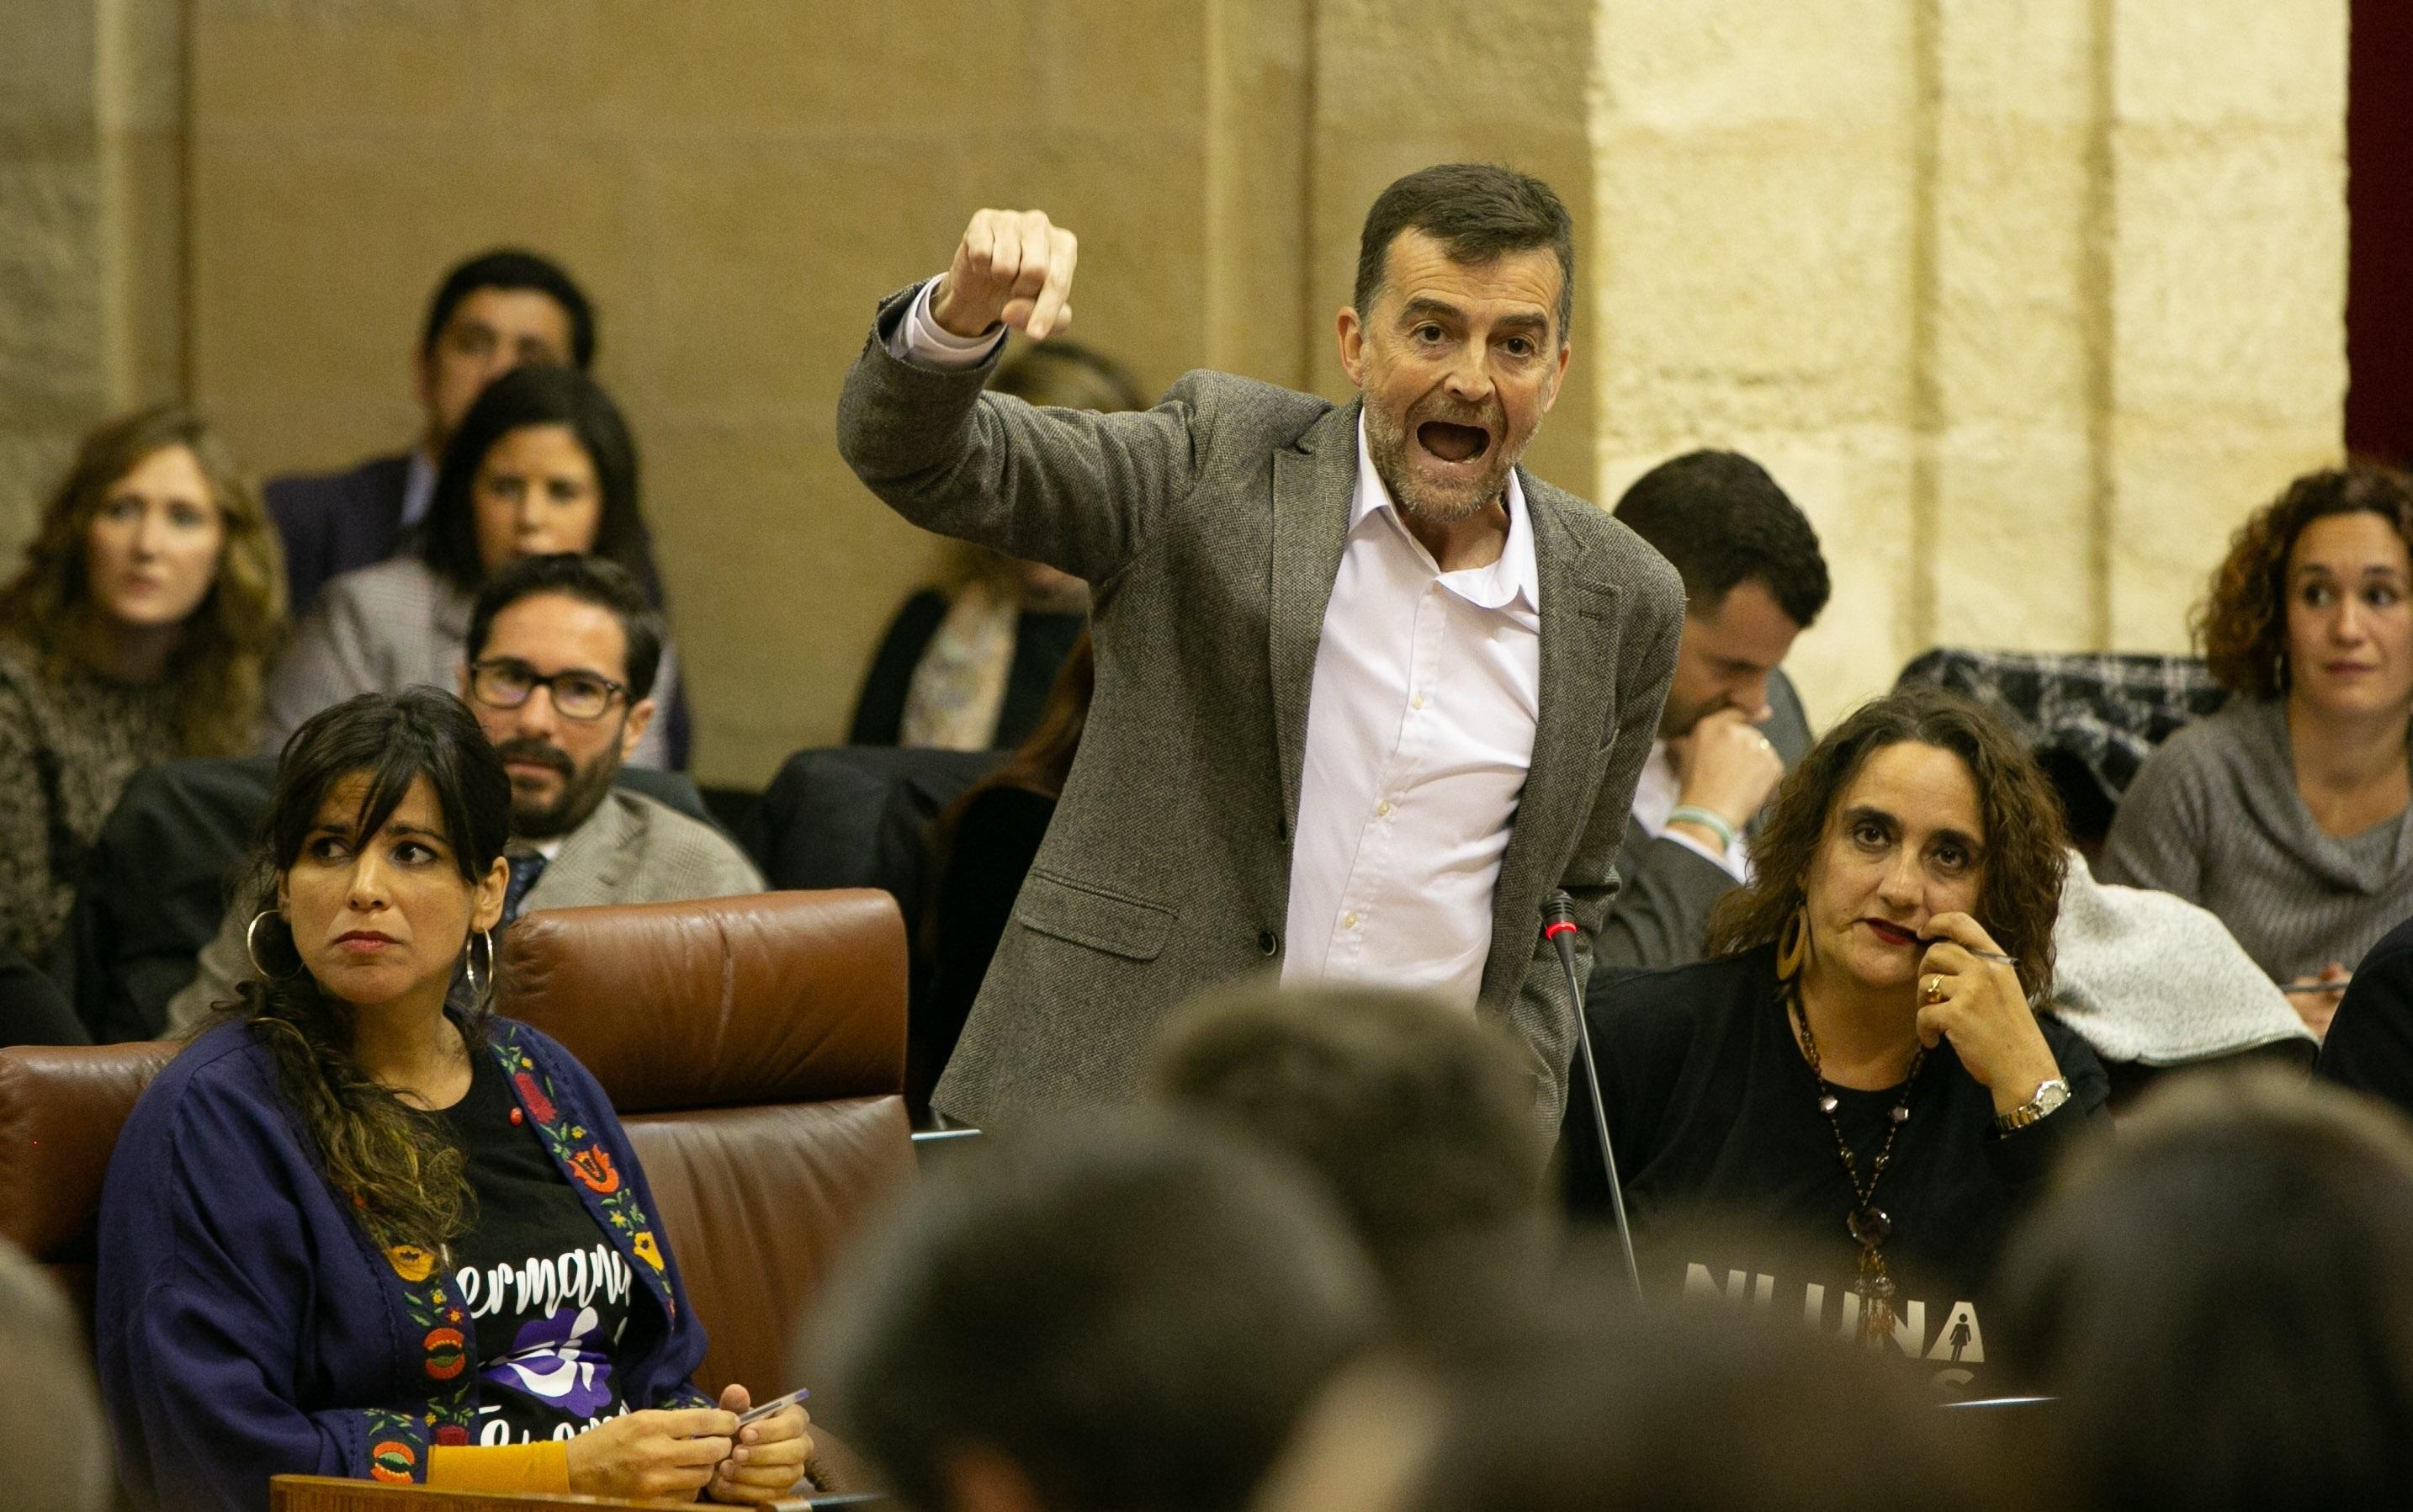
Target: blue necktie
<point>525,868</point>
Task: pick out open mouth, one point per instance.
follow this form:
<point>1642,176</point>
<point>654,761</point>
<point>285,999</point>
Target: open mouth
<point>1892,934</point>
<point>1451,442</point>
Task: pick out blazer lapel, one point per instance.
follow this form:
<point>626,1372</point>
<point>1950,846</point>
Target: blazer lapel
<point>1579,636</point>
<point>594,861</point>
<point>1314,484</point>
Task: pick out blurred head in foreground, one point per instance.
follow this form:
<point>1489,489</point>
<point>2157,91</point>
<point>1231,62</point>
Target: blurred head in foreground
<point>1588,1408</point>
<point>53,1446</point>
<point>1119,1316</point>
<point>1417,1117</point>
<point>2220,1299</point>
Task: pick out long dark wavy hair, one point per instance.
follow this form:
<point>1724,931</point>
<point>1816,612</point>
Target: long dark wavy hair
<point>219,665</point>
<point>2242,625</point>
<point>398,1163</point>
<point>536,394</point>
<point>2019,890</point>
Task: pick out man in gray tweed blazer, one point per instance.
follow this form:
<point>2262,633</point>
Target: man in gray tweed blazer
<point>1366,692</point>
<point>562,653</point>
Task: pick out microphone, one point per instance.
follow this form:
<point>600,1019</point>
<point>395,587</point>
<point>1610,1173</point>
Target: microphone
<point>1559,928</point>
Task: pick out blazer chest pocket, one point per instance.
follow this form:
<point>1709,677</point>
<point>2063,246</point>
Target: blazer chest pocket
<point>1087,916</point>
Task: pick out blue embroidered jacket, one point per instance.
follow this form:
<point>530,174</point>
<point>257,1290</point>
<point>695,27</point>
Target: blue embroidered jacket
<point>245,1326</point>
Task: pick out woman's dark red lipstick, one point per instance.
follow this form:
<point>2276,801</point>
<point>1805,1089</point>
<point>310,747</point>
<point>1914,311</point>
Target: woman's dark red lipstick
<point>1892,934</point>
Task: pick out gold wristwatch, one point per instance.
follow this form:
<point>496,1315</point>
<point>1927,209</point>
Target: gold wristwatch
<point>2049,1094</point>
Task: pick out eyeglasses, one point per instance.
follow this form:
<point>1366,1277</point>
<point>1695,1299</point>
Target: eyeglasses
<point>506,683</point>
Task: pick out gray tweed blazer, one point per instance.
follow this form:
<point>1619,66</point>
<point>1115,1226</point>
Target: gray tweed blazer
<point>1210,529</point>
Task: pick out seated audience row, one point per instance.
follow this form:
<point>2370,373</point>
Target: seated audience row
<point>541,464</point>
<point>561,658</point>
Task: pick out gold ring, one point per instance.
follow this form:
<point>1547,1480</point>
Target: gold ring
<point>1934,989</point>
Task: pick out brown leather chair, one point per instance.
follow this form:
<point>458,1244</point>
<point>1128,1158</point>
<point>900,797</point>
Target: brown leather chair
<point>61,1108</point>
<point>755,1049</point>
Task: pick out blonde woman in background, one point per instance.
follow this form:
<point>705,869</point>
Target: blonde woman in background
<point>137,632</point>
<point>968,666</point>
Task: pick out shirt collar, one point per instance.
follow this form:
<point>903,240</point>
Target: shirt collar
<point>418,487</point>
<point>1514,576</point>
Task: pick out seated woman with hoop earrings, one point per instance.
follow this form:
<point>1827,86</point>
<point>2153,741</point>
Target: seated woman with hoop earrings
<point>320,1225</point>
<point>1858,1077</point>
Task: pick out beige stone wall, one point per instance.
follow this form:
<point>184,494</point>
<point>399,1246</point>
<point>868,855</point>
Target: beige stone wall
<point>2027,304</point>
<point>91,237</point>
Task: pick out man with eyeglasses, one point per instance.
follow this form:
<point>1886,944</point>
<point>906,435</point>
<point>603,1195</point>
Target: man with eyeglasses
<point>561,656</point>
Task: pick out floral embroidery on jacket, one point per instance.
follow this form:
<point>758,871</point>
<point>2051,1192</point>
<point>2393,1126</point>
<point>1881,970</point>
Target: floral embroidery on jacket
<point>582,1155</point>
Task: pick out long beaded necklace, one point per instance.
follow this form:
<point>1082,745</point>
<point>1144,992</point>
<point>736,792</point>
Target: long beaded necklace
<point>1870,1225</point>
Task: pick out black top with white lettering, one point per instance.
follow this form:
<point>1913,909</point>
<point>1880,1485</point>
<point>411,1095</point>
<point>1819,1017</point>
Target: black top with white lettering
<point>1732,1178</point>
<point>545,1294</point>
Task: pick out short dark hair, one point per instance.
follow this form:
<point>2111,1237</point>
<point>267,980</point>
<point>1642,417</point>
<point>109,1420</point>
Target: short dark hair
<point>1692,1408</point>
<point>1134,1311</point>
<point>510,267</point>
<point>1418,1117</point>
<point>593,580</point>
<point>2217,1299</point>
<point>1479,211</point>
<point>525,396</point>
<point>1719,518</point>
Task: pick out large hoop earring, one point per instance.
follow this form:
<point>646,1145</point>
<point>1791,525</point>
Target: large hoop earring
<point>1793,944</point>
<point>251,948</point>
<point>478,989</point>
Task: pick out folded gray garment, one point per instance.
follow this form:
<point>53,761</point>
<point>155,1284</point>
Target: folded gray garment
<point>2150,977</point>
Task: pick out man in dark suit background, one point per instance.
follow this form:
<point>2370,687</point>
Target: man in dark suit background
<point>492,313</point>
<point>1368,693</point>
<point>1754,580</point>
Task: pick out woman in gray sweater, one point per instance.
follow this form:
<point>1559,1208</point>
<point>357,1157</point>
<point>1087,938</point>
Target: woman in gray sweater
<point>2288,813</point>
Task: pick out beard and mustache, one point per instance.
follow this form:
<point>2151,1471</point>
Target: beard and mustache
<point>1388,442</point>
<point>582,787</point>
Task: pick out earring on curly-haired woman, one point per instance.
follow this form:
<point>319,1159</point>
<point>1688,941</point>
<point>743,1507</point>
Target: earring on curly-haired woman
<point>1793,944</point>
<point>251,948</point>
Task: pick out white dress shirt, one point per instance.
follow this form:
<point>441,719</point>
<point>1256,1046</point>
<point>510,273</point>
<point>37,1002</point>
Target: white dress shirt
<point>1419,734</point>
<point>1656,797</point>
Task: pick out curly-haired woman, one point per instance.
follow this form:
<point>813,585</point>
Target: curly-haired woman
<point>2287,813</point>
<point>362,1226</point>
<point>138,631</point>
<point>1857,1075</point>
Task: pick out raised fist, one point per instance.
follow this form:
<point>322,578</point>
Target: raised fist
<point>1014,266</point>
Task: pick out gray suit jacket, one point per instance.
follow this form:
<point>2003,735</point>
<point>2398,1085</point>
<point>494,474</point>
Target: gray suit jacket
<point>1210,529</point>
<point>1663,911</point>
<point>630,850</point>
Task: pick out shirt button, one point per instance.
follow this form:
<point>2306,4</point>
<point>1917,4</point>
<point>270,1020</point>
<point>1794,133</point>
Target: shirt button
<point>1417,702</point>
<point>1348,920</point>
<point>1269,943</point>
<point>515,1115</point>
<point>1382,809</point>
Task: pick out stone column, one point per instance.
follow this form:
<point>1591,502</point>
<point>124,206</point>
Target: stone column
<point>2026,306</point>
<point>91,240</point>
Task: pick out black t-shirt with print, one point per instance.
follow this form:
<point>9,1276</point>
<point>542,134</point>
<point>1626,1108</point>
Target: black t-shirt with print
<point>543,1289</point>
<point>1737,1192</point>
